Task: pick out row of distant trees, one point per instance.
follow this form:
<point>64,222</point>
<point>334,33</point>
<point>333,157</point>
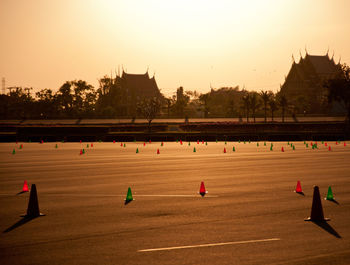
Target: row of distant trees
<point>78,99</point>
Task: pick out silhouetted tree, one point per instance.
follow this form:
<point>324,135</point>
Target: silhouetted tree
<point>149,108</point>
<point>265,96</point>
<point>339,89</point>
<point>273,106</point>
<point>282,101</point>
<point>246,105</point>
<point>254,103</point>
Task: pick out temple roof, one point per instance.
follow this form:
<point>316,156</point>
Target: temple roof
<point>322,64</point>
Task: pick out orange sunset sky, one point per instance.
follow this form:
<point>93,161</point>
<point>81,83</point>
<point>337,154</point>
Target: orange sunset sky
<point>189,43</point>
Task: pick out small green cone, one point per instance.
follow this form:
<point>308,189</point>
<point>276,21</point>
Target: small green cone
<point>56,146</point>
<point>293,147</point>
<point>129,197</point>
<point>216,140</point>
<point>13,151</point>
<point>124,145</point>
<point>304,142</point>
<point>87,146</point>
<point>206,143</point>
<point>271,148</point>
<point>225,142</point>
<point>177,140</point>
<point>322,142</point>
<point>189,143</point>
<point>161,144</point>
<point>329,194</point>
<point>83,151</point>
<point>257,144</point>
<point>264,143</point>
<point>194,149</point>
<point>234,149</point>
<point>307,145</point>
<point>239,141</point>
<point>137,150</point>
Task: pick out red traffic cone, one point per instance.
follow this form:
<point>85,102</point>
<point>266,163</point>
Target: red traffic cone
<point>202,141</point>
<point>282,149</point>
<point>325,144</point>
<point>316,208</point>
<point>114,141</point>
<point>224,150</point>
<point>158,151</point>
<point>202,190</point>
<point>92,145</point>
<point>25,187</point>
<point>81,151</point>
<point>121,144</point>
<point>197,141</point>
<point>329,148</point>
<point>298,188</point>
<point>344,143</point>
<point>144,144</point>
<point>336,143</point>
<point>80,141</point>
<point>150,141</point>
<point>181,142</point>
<point>33,205</point>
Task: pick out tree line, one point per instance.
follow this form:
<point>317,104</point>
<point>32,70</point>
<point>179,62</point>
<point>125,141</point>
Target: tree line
<point>77,100</point>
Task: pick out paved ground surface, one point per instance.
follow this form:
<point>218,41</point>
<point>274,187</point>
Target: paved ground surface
<point>250,206</point>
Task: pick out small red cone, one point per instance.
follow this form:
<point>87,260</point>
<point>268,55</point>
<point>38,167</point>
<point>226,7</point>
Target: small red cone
<point>336,143</point>
<point>33,205</point>
<point>114,141</point>
<point>92,145</point>
<point>81,151</point>
<point>316,208</point>
<point>25,187</point>
<point>202,190</point>
<point>197,141</point>
<point>282,149</point>
<point>329,148</point>
<point>150,141</point>
<point>344,143</point>
<point>80,141</point>
<point>42,142</point>
<point>121,144</point>
<point>325,144</point>
<point>181,142</point>
<point>224,150</point>
<point>158,151</point>
<point>144,144</point>
<point>298,188</point>
<point>202,141</point>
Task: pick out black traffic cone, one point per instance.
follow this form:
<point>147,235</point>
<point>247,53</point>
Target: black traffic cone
<point>316,209</point>
<point>33,205</point>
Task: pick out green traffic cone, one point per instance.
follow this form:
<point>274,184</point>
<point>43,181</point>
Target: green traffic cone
<point>239,141</point>
<point>13,151</point>
<point>288,142</point>
<point>129,197</point>
<point>189,143</point>
<point>293,147</point>
<point>216,140</point>
<point>137,150</point>
<point>83,151</point>
<point>177,140</point>
<point>307,145</point>
<point>233,149</point>
<point>124,145</point>
<point>225,142</point>
<point>330,196</point>
<point>206,143</point>
<point>194,149</point>
<point>87,146</point>
<point>271,148</point>
<point>56,146</point>
<point>257,143</point>
<point>264,143</point>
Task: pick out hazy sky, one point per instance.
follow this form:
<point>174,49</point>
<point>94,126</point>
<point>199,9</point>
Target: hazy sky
<point>189,43</point>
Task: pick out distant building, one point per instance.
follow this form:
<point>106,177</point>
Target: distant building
<point>303,86</point>
<point>136,87</point>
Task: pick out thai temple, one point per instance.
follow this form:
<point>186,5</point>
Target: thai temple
<point>304,84</point>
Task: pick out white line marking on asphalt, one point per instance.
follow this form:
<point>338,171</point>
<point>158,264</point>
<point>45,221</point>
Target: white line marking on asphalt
<point>210,245</point>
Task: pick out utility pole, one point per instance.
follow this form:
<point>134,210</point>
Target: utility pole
<point>3,85</point>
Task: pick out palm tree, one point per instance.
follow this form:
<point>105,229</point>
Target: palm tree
<point>254,103</point>
<point>283,103</point>
<point>246,105</point>
<point>265,96</point>
<point>273,106</point>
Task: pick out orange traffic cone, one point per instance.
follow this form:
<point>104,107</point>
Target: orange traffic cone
<point>33,205</point>
<point>298,188</point>
<point>316,208</point>
<point>224,150</point>
<point>202,190</point>
<point>25,187</point>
